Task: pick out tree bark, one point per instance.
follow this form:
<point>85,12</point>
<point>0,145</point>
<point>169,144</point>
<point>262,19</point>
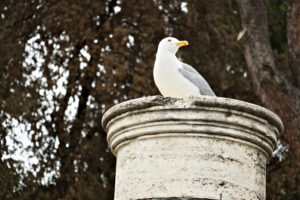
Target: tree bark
<point>273,90</point>
<point>293,35</point>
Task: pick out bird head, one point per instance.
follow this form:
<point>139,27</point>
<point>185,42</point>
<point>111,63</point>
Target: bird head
<point>171,44</point>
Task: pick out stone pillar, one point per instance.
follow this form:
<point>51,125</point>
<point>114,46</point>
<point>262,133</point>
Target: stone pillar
<point>195,148</point>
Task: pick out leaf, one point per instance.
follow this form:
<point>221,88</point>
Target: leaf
<point>241,34</point>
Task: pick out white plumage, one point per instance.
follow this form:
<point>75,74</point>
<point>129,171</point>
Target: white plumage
<point>174,78</point>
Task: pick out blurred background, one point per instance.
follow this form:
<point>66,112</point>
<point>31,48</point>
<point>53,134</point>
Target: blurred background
<point>63,63</point>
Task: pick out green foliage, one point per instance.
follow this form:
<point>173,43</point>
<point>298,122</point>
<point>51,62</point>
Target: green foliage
<point>277,24</point>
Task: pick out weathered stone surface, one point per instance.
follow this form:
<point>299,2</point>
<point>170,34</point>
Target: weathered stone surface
<point>175,198</point>
<point>201,148</point>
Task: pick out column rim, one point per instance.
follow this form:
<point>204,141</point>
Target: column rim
<point>207,101</point>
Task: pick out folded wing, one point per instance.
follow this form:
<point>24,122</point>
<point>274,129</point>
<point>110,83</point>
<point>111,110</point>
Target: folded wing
<point>194,77</point>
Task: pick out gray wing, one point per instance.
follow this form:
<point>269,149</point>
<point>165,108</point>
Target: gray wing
<point>194,77</point>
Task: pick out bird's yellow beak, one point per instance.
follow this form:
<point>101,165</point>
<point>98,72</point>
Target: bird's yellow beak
<point>182,43</point>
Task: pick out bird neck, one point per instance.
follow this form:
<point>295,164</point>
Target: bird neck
<point>165,54</point>
<point>166,60</point>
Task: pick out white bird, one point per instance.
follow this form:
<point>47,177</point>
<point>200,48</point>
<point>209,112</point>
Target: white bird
<point>174,78</point>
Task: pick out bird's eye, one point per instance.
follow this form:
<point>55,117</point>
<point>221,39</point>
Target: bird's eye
<point>169,40</point>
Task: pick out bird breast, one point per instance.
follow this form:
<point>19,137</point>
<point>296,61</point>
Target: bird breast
<point>169,81</point>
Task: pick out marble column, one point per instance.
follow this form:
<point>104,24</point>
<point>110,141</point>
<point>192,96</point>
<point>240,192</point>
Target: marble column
<point>193,148</point>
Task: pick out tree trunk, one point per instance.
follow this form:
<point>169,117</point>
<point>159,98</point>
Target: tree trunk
<point>274,91</point>
<point>293,33</point>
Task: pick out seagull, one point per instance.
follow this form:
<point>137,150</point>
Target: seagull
<point>174,78</point>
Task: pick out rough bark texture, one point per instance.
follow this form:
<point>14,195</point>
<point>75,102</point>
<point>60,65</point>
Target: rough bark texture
<point>274,91</point>
<point>293,31</point>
